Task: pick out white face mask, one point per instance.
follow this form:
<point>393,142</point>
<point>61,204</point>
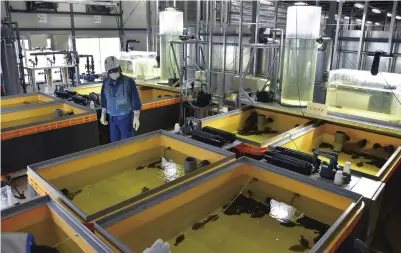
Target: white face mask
<point>114,76</point>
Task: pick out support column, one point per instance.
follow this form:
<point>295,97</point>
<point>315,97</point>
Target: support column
<point>362,37</point>
<point>391,35</point>
<point>255,31</point>
<point>121,30</point>
<point>335,59</point>
<point>149,41</point>
<point>74,45</point>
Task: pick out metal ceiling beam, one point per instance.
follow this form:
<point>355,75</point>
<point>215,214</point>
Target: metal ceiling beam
<point>64,13</point>
<point>34,29</point>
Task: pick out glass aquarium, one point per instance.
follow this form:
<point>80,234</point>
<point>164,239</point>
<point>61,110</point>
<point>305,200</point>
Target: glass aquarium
<point>299,72</point>
<point>299,68</point>
<point>358,92</point>
<point>171,26</point>
<point>138,64</point>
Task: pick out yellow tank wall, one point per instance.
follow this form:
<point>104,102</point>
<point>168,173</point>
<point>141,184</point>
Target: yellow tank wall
<point>39,111</point>
<point>9,102</point>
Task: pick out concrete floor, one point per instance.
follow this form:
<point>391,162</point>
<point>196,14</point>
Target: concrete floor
<point>21,183</point>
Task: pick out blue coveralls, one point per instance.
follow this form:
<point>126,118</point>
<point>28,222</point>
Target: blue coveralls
<point>120,98</point>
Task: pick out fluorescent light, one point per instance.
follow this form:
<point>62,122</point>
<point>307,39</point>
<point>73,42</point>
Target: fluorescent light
<point>266,2</point>
<point>389,15</point>
<point>358,20</point>
<point>359,6</point>
<point>377,23</point>
<point>300,3</point>
<point>368,22</point>
<point>377,11</point>
<point>326,17</point>
<point>398,17</point>
<point>346,17</point>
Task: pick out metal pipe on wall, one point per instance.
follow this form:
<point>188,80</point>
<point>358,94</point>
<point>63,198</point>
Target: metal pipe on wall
<point>241,56</point>
<point>256,31</point>
<point>210,38</point>
<point>157,29</point>
<point>121,27</point>
<point>336,56</point>
<point>148,25</point>
<point>362,36</point>
<point>390,37</point>
<point>20,56</point>
<point>185,48</point>
<point>74,45</point>
<point>224,18</point>
<point>197,31</point>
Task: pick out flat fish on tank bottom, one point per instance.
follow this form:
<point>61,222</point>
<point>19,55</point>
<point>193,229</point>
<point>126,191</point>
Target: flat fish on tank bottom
<point>179,239</point>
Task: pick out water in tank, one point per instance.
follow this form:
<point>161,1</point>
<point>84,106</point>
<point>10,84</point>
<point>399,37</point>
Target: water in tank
<point>357,92</point>
<point>303,26</point>
<point>171,26</point>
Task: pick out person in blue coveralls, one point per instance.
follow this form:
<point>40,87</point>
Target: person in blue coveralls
<point>120,100</point>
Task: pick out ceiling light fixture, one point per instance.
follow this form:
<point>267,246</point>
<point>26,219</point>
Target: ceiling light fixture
<point>358,5</point>
<point>266,2</point>
<point>398,17</point>
<point>377,23</point>
<point>377,11</point>
<point>300,3</point>
<point>389,15</point>
<point>358,20</point>
<point>346,17</point>
<point>368,22</point>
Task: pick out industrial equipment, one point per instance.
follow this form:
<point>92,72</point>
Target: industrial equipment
<point>122,173</point>
<point>190,125</point>
<point>357,92</point>
<point>69,68</point>
<point>12,65</point>
<point>41,5</point>
<point>269,205</point>
<point>303,26</point>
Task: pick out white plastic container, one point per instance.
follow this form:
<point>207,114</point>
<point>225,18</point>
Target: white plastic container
<point>338,179</point>
<point>177,128</point>
<point>347,167</point>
